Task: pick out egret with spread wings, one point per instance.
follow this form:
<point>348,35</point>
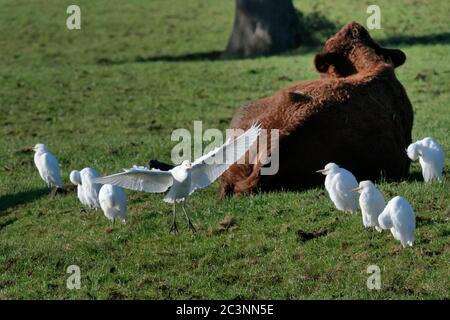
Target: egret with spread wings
<point>184,179</point>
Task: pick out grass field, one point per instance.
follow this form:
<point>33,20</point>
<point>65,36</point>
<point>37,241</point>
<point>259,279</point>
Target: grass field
<point>109,95</point>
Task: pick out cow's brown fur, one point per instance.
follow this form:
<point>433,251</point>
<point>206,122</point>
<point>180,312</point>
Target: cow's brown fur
<point>357,115</point>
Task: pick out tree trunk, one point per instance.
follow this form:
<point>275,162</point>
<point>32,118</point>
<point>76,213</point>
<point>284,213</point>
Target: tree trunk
<point>263,27</point>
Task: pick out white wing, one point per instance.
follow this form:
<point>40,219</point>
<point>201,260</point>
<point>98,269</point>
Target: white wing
<point>113,202</point>
<point>384,219</point>
<point>139,179</point>
<point>51,169</point>
<point>90,188</point>
<point>344,182</point>
<point>378,202</point>
<point>87,176</point>
<point>434,150</point>
<point>403,218</point>
<point>206,169</point>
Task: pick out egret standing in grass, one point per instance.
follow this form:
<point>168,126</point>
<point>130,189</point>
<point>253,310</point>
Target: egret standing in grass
<point>87,190</point>
<point>47,165</point>
<point>113,202</point>
<point>399,217</point>
<point>371,202</point>
<point>75,178</point>
<point>431,158</point>
<point>339,184</point>
<point>184,179</point>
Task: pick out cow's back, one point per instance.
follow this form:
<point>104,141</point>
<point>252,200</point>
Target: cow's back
<point>362,122</point>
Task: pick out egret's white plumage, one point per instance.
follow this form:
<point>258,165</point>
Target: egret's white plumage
<point>399,217</point>
<point>91,189</point>
<point>339,183</point>
<point>47,165</point>
<point>113,202</point>
<point>75,178</point>
<point>371,202</point>
<point>184,179</point>
<point>87,190</point>
<point>431,158</point>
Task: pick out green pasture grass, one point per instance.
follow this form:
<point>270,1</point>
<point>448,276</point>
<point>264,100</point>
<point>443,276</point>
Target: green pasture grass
<point>109,95</point>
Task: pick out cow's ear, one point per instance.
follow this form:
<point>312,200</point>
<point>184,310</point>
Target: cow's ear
<point>397,56</point>
<point>322,62</point>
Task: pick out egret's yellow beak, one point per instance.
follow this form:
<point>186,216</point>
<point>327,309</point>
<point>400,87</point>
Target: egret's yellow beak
<point>356,189</point>
<point>321,170</point>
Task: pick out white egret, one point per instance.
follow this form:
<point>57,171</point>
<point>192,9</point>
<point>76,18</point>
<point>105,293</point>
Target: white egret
<point>399,217</point>
<point>184,179</point>
<point>87,190</point>
<point>339,184</point>
<point>371,202</point>
<point>75,178</point>
<point>47,165</point>
<point>113,202</point>
<point>431,158</point>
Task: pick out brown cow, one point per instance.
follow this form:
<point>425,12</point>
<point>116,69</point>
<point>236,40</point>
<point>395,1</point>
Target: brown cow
<point>357,115</point>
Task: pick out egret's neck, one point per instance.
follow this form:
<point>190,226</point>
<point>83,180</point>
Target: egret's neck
<point>181,174</point>
<point>332,172</point>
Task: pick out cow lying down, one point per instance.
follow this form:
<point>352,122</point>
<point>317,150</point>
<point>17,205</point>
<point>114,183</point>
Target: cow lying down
<point>357,115</point>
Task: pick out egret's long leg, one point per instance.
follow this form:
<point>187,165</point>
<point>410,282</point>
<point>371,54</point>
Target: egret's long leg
<point>190,225</point>
<point>53,192</point>
<point>173,228</point>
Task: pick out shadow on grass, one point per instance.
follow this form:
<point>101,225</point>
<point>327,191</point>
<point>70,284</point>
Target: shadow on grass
<point>315,29</point>
<point>430,39</point>
<point>415,176</point>
<point>13,200</point>
<point>200,56</point>
<point>7,223</point>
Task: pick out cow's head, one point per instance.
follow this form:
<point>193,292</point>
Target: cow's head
<point>352,50</point>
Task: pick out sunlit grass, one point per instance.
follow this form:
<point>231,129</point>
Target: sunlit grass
<point>55,90</point>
